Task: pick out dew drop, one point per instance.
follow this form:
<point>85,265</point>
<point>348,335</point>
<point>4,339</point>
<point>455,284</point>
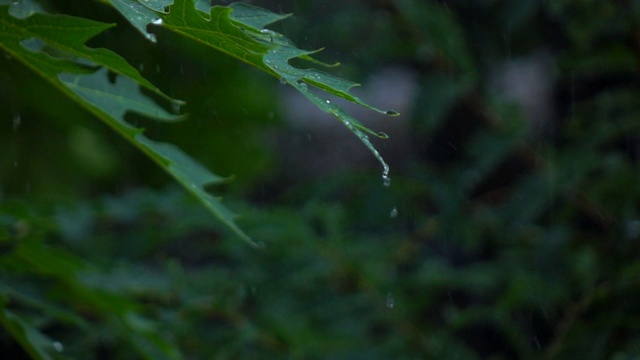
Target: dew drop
<point>382,135</point>
<point>328,101</point>
<point>157,21</point>
<point>392,112</point>
<point>390,301</point>
<point>394,213</point>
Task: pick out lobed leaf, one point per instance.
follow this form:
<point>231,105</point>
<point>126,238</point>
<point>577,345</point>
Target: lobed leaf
<point>239,31</point>
<point>82,74</point>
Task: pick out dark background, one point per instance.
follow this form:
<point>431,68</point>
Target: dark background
<point>511,229</point>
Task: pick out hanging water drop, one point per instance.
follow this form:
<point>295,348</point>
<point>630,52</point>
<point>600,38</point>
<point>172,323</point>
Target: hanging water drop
<point>390,301</point>
<point>392,112</point>
<point>157,21</point>
<point>394,213</point>
<point>175,107</point>
<point>386,180</point>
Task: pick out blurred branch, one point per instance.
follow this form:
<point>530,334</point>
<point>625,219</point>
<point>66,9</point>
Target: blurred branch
<point>572,315</point>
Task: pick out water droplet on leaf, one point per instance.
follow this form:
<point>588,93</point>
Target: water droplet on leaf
<point>383,135</point>
<point>392,112</point>
<point>283,80</point>
<point>157,21</point>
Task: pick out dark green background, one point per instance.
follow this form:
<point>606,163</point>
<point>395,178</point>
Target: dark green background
<point>516,237</point>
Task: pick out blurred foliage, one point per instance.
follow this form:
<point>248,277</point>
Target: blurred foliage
<point>514,237</point>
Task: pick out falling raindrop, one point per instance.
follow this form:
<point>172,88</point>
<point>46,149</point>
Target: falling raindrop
<point>57,346</point>
<point>633,229</point>
<point>394,213</point>
<point>16,121</point>
<point>390,301</point>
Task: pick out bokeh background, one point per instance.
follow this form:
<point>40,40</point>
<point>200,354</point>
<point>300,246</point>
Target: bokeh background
<point>510,230</point>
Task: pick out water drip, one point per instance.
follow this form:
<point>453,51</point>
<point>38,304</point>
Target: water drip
<point>390,301</point>
<point>16,121</point>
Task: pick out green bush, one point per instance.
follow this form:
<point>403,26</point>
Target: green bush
<point>510,230</point>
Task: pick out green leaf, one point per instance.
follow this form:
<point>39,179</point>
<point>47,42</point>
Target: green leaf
<point>238,30</point>
<point>82,75</point>
<point>28,336</point>
<point>117,312</point>
<point>139,15</point>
